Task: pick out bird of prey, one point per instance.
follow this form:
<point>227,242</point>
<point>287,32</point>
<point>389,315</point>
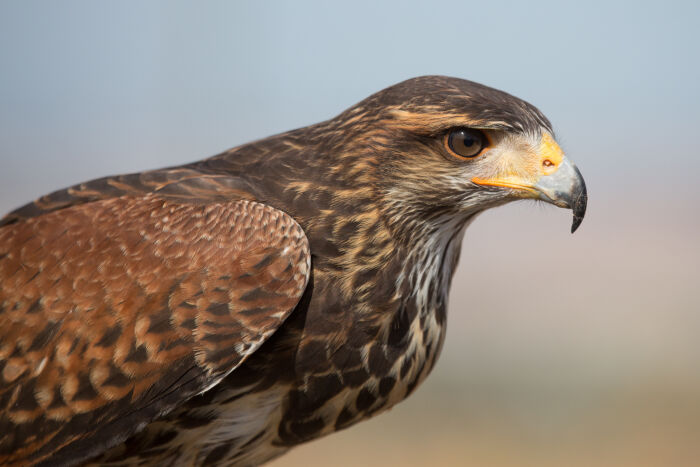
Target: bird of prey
<point>224,311</point>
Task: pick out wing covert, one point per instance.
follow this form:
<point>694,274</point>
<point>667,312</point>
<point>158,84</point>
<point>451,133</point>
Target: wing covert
<point>115,311</point>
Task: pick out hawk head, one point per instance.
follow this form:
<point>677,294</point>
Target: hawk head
<point>450,146</point>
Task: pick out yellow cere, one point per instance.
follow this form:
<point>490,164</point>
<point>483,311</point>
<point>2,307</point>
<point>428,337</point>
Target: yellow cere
<point>550,154</point>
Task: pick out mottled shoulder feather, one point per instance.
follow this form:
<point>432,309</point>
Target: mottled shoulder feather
<point>178,183</point>
<point>114,312</point>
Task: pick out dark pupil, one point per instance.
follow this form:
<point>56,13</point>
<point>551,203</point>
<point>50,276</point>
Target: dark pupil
<point>469,140</point>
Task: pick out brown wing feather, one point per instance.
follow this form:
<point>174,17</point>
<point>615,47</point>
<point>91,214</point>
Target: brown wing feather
<point>115,311</point>
<point>181,183</point>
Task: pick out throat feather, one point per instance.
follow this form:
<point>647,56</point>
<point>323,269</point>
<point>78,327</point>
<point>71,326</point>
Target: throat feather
<point>425,282</point>
<point>430,264</point>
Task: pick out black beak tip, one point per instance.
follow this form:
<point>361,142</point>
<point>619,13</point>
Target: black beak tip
<point>579,208</point>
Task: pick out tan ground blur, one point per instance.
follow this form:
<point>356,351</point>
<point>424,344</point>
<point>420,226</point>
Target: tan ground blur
<point>562,350</point>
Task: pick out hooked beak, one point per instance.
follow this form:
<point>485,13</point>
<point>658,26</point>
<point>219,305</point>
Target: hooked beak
<point>558,182</point>
<point>565,188</point>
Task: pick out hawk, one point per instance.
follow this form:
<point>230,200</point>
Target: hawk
<point>224,311</point>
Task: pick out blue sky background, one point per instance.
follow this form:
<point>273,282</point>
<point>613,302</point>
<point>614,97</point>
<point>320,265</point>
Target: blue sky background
<point>558,344</point>
<point>90,88</point>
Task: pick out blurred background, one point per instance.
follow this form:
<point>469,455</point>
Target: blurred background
<point>561,350</point>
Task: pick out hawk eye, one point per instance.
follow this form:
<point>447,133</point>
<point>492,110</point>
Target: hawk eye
<point>466,142</point>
